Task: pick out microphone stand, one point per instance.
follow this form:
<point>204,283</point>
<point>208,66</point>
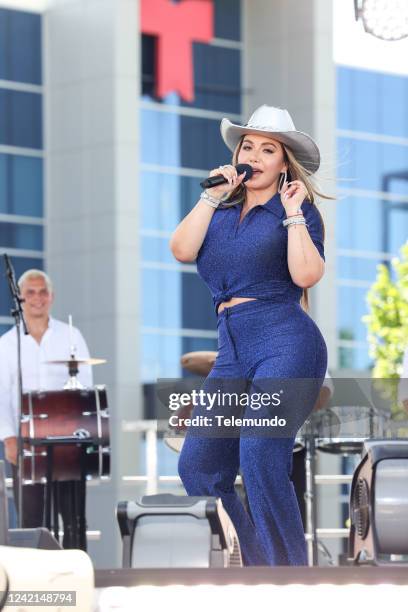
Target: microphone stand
<point>18,315</point>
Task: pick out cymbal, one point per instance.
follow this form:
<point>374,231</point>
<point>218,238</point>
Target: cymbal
<point>199,362</point>
<point>79,361</point>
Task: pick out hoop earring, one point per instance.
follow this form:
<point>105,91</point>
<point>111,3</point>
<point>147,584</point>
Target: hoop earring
<point>284,176</point>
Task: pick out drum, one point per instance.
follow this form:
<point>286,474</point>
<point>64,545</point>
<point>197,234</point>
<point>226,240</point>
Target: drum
<point>73,413</point>
<point>344,429</point>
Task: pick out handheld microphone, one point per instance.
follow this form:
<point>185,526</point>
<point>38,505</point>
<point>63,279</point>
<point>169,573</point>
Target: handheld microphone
<point>219,179</point>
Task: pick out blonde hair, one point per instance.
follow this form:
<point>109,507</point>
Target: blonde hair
<point>34,273</point>
<point>297,172</point>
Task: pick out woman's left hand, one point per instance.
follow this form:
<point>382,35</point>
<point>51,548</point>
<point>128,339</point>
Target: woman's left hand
<point>292,196</point>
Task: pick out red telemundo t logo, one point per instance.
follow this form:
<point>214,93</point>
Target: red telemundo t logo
<point>177,26</point>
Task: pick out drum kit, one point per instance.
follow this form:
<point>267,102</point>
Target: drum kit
<point>66,419</point>
<point>65,438</point>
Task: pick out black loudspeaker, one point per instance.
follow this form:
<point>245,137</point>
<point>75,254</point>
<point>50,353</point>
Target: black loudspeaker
<point>24,538</point>
<point>167,531</point>
<point>33,538</point>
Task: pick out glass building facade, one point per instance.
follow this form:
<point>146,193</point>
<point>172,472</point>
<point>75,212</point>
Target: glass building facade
<point>372,221</point>
<point>180,142</point>
<point>21,147</point>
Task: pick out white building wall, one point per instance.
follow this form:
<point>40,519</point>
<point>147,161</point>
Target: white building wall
<point>91,54</point>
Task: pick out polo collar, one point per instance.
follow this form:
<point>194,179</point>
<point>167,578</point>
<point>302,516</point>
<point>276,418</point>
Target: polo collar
<point>275,206</point>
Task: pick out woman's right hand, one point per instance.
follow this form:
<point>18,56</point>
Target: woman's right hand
<point>230,173</point>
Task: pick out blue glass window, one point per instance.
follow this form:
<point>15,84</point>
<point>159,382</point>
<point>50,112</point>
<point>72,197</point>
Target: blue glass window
<point>21,185</point>
<point>357,268</point>
<point>388,224</point>
<point>353,308</point>
<point>228,19</point>
<point>4,328</point>
<point>396,226</point>
<point>201,144</point>
<point>20,46</point>
<point>173,299</point>
<point>161,357</point>
<point>161,290</point>
<point>366,165</point>
<point>369,101</point>
<point>197,305</point>
<point>21,236</point>
<point>217,78</point>
<point>354,358</point>
<point>167,198</point>
<point>20,264</point>
<point>162,353</point>
<point>169,139</point>
<point>156,248</point>
<point>20,119</point>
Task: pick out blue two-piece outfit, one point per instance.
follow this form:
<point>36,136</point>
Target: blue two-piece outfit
<point>261,340</point>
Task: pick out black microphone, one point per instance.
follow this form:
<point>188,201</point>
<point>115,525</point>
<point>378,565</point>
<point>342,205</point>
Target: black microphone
<point>219,179</point>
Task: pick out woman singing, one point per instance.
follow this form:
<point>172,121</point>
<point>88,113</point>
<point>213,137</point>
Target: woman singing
<point>258,246</point>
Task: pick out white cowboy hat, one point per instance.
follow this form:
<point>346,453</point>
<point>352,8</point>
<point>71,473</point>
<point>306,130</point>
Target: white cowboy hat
<point>275,123</point>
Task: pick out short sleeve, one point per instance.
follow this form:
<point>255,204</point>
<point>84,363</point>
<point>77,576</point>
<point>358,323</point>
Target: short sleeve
<point>314,225</point>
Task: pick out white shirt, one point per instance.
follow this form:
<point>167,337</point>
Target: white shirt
<point>403,384</point>
<point>36,375</point>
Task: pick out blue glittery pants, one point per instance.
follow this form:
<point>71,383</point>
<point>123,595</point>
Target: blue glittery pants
<point>265,347</point>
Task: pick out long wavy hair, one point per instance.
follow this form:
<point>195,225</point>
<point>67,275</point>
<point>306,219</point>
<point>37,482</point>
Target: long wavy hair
<point>296,172</point>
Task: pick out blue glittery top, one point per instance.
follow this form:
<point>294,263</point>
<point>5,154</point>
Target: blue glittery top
<point>249,259</point>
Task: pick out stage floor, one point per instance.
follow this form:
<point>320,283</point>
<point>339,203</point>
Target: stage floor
<point>252,576</point>
<point>247,589</point>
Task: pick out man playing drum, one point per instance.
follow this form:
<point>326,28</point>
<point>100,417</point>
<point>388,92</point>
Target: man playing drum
<point>48,339</point>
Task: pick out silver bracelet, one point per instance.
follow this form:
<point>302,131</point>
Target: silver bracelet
<point>291,219</point>
<point>213,202</point>
<point>294,222</point>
